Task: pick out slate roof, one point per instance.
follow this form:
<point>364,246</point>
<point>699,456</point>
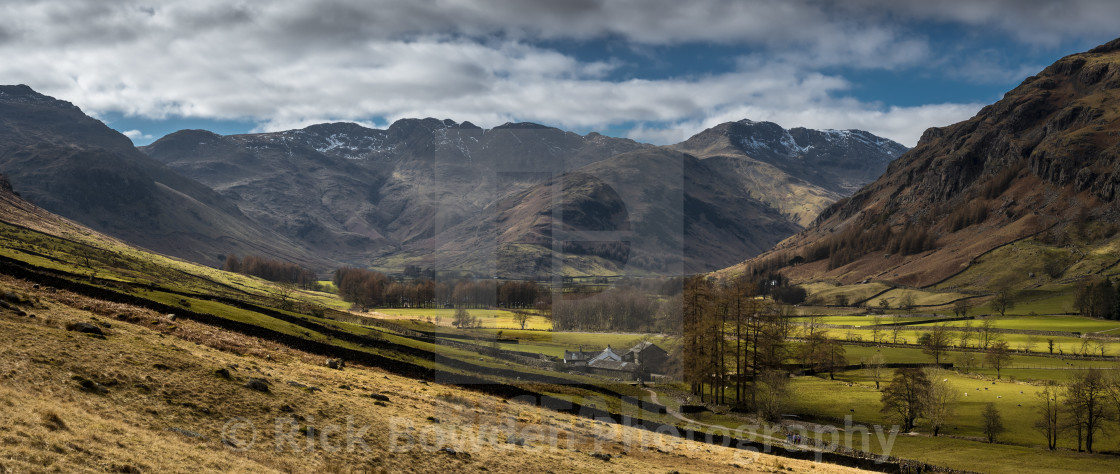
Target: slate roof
<point>614,365</point>
<point>606,355</point>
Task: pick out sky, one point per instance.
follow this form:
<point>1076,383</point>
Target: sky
<point>656,71</point>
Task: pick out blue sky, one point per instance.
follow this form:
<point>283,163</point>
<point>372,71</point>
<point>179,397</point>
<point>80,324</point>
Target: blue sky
<point>653,70</point>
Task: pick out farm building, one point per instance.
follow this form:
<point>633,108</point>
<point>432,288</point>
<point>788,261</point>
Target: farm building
<point>640,360</point>
<point>579,358</point>
<point>648,355</point>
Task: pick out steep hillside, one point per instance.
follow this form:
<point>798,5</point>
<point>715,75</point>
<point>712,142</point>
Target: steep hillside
<point>798,171</point>
<point>1042,163</point>
<point>75,166</point>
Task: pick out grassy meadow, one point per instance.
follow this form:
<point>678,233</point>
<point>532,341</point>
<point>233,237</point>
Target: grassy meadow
<point>490,318</point>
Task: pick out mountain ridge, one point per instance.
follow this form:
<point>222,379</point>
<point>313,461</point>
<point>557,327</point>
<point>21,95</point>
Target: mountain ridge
<point>1042,162</point>
<point>798,171</point>
<point>429,179</point>
<point>76,166</point>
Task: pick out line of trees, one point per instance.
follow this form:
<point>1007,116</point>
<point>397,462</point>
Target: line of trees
<point>271,270</point>
<point>974,213</point>
<point>850,244</point>
<point>734,342</point>
<point>616,309</point>
<point>1085,408</point>
<point>370,289</point>
<point>1098,299</point>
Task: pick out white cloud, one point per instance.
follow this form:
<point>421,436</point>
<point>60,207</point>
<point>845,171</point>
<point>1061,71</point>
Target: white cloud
<point>289,64</point>
<point>135,135</point>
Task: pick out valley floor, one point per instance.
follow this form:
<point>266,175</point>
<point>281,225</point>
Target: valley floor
<point>159,394</point>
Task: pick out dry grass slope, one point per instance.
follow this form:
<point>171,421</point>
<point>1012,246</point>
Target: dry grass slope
<point>147,396</point>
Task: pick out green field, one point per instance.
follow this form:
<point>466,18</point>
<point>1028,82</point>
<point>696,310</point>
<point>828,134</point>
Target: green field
<point>490,318</point>
<point>1045,323</point>
<point>914,355</point>
<point>863,320</point>
<point>1063,345</point>
<point>920,297</point>
<point>1034,302</point>
<point>853,393</point>
<point>1012,265</point>
<point>825,293</point>
<point>961,446</point>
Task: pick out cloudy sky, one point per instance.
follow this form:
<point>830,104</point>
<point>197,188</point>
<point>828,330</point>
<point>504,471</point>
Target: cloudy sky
<point>653,70</point>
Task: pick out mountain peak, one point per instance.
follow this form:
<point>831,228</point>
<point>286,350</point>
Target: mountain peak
<point>18,89</point>
<point>182,141</point>
<point>336,127</point>
<point>22,93</point>
<point>838,160</point>
<point>523,126</point>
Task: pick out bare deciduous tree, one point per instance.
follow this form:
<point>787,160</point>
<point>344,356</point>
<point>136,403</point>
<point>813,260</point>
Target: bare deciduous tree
<point>1087,404</point>
<point>1003,301</point>
<point>998,356</point>
<point>961,308</point>
<point>463,319</point>
<point>875,365</point>
<point>896,328</point>
<point>992,422</point>
<point>876,330</point>
<point>965,335</point>
<point>985,334</point>
<point>941,400</point>
<point>773,392</point>
<point>937,343</point>
<point>1048,411</point>
<point>906,302</point>
<point>522,318</point>
<point>906,397</point>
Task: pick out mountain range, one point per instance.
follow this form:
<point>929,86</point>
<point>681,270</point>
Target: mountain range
<point>516,200</point>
